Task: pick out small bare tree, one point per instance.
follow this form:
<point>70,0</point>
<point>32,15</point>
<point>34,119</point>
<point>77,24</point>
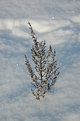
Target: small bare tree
<point>46,71</point>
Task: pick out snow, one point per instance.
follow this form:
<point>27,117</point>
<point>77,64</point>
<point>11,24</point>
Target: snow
<point>57,22</point>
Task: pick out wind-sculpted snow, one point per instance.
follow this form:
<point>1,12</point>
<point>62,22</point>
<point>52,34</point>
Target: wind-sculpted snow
<point>57,22</point>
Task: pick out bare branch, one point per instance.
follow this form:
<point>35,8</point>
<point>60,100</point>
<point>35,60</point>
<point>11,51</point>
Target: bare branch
<point>45,67</point>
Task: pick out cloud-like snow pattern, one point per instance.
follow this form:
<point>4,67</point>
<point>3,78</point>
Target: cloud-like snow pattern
<point>57,22</point>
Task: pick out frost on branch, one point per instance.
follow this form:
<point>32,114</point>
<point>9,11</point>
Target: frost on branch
<point>46,71</point>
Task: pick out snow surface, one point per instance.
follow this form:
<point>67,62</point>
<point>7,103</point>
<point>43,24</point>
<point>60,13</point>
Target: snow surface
<point>57,22</point>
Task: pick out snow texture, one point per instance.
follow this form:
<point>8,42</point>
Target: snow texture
<point>57,22</point>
